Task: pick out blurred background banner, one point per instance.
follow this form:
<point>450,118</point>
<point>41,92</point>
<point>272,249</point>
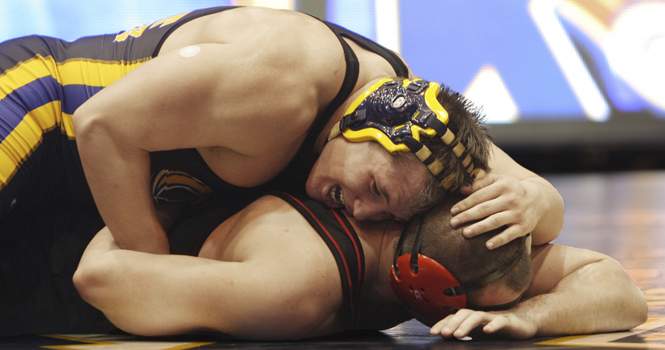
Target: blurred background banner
<point>565,84</point>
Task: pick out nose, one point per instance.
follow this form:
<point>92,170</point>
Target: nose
<point>369,210</point>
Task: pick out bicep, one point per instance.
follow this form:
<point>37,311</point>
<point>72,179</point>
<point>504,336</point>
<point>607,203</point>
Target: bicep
<point>552,263</point>
<point>260,296</point>
<point>155,295</point>
<point>209,99</point>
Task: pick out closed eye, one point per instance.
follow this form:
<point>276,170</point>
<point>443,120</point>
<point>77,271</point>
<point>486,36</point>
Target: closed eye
<point>375,189</point>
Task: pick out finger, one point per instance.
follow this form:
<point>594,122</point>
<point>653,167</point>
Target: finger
<point>441,328</point>
<point>452,322</point>
<point>490,219</point>
<point>477,206</point>
<point>479,183</point>
<point>495,325</point>
<point>473,321</point>
<point>482,211</point>
<point>477,193</point>
<point>436,328</point>
<point>482,175</point>
<point>511,233</point>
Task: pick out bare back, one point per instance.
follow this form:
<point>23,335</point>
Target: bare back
<point>295,54</point>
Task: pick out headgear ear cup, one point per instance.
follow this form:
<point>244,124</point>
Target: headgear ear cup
<point>424,291</point>
<point>429,289</point>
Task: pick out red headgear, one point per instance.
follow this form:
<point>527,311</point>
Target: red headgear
<point>430,290</point>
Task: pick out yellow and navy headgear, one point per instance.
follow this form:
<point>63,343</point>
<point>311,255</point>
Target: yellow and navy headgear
<point>395,113</point>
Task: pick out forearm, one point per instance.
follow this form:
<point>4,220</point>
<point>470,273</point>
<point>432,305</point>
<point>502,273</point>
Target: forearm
<point>598,297</point>
<point>111,279</point>
<point>544,208</point>
<point>119,178</point>
<point>153,294</point>
<point>551,207</point>
<point>134,224</point>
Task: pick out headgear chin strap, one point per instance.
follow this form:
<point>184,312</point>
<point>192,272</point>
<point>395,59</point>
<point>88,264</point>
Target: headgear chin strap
<point>396,113</point>
<point>430,290</point>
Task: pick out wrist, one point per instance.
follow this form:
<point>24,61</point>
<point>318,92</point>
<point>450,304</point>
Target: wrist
<point>547,205</point>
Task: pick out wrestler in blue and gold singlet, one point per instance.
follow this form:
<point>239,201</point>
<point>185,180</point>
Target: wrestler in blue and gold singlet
<point>47,214</point>
<point>44,80</point>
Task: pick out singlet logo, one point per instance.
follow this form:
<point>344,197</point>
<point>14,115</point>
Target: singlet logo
<point>138,31</point>
<point>177,186</point>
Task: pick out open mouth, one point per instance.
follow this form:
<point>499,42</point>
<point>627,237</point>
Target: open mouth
<point>337,195</point>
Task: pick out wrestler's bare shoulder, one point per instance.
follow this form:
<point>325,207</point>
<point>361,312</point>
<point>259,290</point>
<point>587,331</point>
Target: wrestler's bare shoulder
<point>285,34</point>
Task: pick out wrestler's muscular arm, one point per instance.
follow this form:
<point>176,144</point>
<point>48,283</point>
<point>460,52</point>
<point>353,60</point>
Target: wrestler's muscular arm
<point>227,100</point>
<point>253,293</point>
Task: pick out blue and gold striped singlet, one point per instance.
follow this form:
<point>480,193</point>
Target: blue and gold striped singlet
<point>43,80</point>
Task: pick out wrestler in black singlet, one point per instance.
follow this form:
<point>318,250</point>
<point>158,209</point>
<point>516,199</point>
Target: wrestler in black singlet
<point>37,262</point>
<point>188,236</point>
<point>37,271</point>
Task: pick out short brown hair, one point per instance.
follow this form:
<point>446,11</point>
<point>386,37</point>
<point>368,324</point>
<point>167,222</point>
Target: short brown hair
<point>467,259</point>
<point>466,121</point>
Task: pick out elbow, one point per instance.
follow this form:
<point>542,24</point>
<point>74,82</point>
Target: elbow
<point>634,303</point>
<point>91,129</point>
<point>90,281</point>
<point>82,281</point>
<point>84,121</point>
<point>635,310</point>
<point>85,128</point>
<point>640,308</point>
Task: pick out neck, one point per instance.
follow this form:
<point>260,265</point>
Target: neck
<point>378,240</point>
<point>378,307</point>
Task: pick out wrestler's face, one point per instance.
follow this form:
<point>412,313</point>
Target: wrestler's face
<point>365,179</point>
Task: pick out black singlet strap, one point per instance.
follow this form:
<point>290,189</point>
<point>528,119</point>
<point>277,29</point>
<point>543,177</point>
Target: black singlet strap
<point>344,244</point>
<point>350,79</point>
<point>400,68</point>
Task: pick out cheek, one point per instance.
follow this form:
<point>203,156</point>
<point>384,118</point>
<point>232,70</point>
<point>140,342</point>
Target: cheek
<point>313,174</point>
<point>352,182</point>
<point>356,169</point>
<point>324,163</point>
<point>316,179</point>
